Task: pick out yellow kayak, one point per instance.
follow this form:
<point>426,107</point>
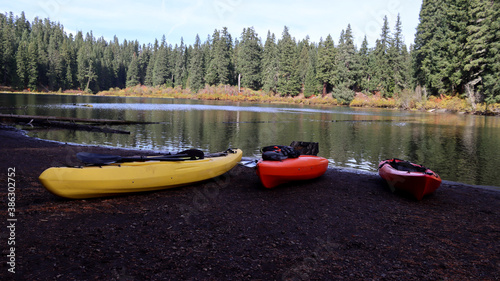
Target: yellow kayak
<point>112,179</point>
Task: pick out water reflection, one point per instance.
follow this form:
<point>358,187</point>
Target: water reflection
<point>459,147</point>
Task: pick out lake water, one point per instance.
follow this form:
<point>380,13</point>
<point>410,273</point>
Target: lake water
<point>458,147</point>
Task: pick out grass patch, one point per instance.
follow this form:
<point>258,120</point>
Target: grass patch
<point>415,100</point>
<point>406,100</point>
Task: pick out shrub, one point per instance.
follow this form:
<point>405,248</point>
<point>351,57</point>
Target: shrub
<point>343,94</point>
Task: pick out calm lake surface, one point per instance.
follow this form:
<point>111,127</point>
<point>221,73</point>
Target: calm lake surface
<point>458,147</point>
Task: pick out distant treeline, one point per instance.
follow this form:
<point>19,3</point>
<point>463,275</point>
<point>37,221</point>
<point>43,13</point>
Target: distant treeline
<point>456,51</point>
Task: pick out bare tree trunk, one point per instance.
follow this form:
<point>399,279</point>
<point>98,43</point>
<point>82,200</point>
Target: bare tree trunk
<point>471,93</point>
<point>239,83</point>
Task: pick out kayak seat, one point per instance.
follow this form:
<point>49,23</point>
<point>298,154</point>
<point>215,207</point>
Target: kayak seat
<point>279,152</point>
<point>407,166</point>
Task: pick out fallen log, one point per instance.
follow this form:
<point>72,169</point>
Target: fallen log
<point>35,118</point>
<point>82,127</point>
<point>12,108</point>
<point>92,125</point>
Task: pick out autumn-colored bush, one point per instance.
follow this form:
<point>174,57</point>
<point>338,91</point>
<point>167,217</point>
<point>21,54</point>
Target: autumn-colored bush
<point>375,100</point>
<point>148,91</point>
<point>406,99</point>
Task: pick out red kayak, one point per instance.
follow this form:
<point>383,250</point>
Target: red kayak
<point>413,178</point>
<point>305,167</point>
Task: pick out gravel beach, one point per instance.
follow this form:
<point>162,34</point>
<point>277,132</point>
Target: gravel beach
<point>343,225</point>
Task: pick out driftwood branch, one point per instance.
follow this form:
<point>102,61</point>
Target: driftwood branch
<point>27,118</point>
<point>83,127</point>
<point>91,125</point>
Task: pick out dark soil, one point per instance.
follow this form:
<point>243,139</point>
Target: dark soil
<point>342,225</point>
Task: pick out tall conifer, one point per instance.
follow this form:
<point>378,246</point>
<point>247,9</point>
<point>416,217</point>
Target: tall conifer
<point>249,60</point>
<point>180,68</point>
<point>220,66</point>
<point>161,74</point>
<point>326,63</point>
<point>363,71</point>
<point>270,64</point>
<point>383,72</point>
<point>288,80</point>
<point>133,72</point>
<point>311,84</point>
<point>197,66</point>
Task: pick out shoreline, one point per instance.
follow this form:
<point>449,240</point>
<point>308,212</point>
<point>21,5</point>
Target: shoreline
<point>149,152</point>
<point>449,104</point>
<point>448,182</point>
<point>339,226</point>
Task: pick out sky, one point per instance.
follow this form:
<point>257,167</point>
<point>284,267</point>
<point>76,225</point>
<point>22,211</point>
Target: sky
<point>146,21</point>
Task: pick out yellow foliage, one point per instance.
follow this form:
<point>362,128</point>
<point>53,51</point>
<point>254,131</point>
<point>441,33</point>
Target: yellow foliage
<point>408,100</point>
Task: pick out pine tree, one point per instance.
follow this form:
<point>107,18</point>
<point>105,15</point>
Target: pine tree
<point>161,72</point>
<point>345,60</point>
<point>288,80</point>
<point>490,78</point>
<point>133,72</point>
<point>456,51</point>
<point>32,66</point>
<point>21,25</point>
<point>398,59</point>
<point>343,74</point>
<point>83,63</point>
<point>326,63</point>
<point>483,52</point>
<point>68,61</point>
<point>382,68</point>
<point>196,66</point>
<point>148,79</point>
<point>429,56</point>
<point>22,61</point>
<point>249,60</point>
<point>363,74</point>
<point>224,55</point>
<point>3,24</point>
<point>144,59</point>
<point>456,48</point>
<point>220,67</point>
<point>311,83</point>
<point>303,59</point>
<point>55,65</point>
<point>452,75</point>
<point>110,69</point>
<point>270,64</point>
<point>41,33</point>
<point>8,48</point>
<point>212,75</point>
<point>180,69</point>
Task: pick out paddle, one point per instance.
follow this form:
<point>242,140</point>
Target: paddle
<point>104,159</point>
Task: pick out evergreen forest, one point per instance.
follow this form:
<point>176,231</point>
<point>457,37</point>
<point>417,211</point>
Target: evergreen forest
<point>456,52</point>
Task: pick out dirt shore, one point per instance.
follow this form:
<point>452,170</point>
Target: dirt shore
<point>340,226</point>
